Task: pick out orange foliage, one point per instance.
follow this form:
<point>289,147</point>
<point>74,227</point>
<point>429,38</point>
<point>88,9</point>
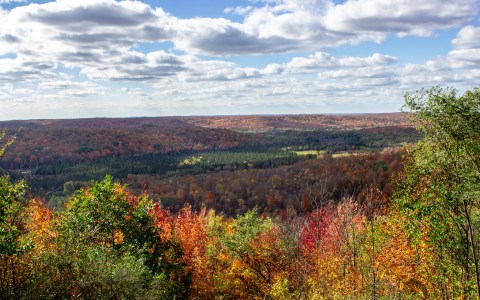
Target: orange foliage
<point>190,230</point>
<point>338,262</point>
<point>405,263</point>
<point>40,225</point>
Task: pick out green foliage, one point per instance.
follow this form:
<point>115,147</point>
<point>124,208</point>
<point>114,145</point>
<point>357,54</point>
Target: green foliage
<point>83,149</point>
<point>243,230</point>
<point>104,209</point>
<point>52,176</point>
<point>442,183</point>
<point>92,272</point>
<point>341,140</point>
<point>14,241</point>
<point>12,200</point>
<point>238,159</point>
<point>107,246</point>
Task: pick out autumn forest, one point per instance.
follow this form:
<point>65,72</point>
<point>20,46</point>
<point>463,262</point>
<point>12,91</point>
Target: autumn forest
<point>361,206</point>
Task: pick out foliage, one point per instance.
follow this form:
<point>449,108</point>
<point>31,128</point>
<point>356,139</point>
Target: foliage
<point>104,244</point>
<point>321,228</point>
<point>5,145</point>
<point>14,242</point>
<point>12,197</point>
<point>442,183</point>
<point>240,159</point>
<point>272,190</point>
<point>55,152</point>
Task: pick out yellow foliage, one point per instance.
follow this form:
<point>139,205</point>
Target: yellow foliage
<point>280,289</point>
<point>118,237</point>
<point>40,225</point>
<point>404,263</point>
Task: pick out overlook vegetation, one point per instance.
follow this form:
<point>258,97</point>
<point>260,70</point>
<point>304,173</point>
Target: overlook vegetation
<point>272,214</point>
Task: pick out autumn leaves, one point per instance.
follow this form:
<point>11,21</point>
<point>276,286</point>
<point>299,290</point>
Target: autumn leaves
<point>108,243</point>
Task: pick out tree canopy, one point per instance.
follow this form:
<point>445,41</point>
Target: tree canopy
<point>441,187</point>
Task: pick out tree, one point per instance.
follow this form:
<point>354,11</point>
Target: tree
<point>6,144</point>
<point>13,239</point>
<point>254,256</point>
<point>107,244</point>
<point>441,187</point>
<point>12,196</point>
<point>405,264</point>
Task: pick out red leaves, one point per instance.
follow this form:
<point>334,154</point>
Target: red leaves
<point>316,229</point>
<point>161,218</point>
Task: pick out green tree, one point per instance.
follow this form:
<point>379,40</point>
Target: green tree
<point>441,187</point>
<point>108,246</point>
<point>13,239</point>
<point>12,199</point>
<point>14,243</point>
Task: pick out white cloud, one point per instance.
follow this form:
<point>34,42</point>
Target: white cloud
<point>71,88</point>
<point>310,25</point>
<point>137,93</point>
<point>56,50</point>
<point>321,60</point>
<point>92,34</point>
<point>467,38</point>
<point>11,1</point>
<point>465,58</point>
<point>406,17</point>
<point>238,10</point>
<point>26,69</point>
<point>87,34</point>
<point>466,48</point>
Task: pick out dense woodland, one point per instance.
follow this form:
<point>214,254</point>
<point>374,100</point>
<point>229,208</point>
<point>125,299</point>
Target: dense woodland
<point>305,213</point>
<point>51,153</point>
<point>270,190</point>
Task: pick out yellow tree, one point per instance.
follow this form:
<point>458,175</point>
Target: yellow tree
<point>338,258</point>
<point>405,265</point>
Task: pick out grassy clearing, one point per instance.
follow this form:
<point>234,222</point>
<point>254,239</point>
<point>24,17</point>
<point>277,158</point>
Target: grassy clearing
<point>346,154</point>
<point>310,152</point>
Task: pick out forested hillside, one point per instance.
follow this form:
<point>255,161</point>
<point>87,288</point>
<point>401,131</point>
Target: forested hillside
<point>40,142</point>
<point>325,179</point>
<point>300,122</point>
<point>278,214</point>
<point>56,155</point>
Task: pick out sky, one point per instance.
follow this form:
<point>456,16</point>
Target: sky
<point>106,58</point>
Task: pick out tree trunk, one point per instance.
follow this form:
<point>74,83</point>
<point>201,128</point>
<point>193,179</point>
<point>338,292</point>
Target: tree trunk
<point>473,247</point>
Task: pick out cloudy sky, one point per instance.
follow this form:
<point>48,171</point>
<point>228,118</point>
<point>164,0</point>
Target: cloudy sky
<point>93,58</point>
